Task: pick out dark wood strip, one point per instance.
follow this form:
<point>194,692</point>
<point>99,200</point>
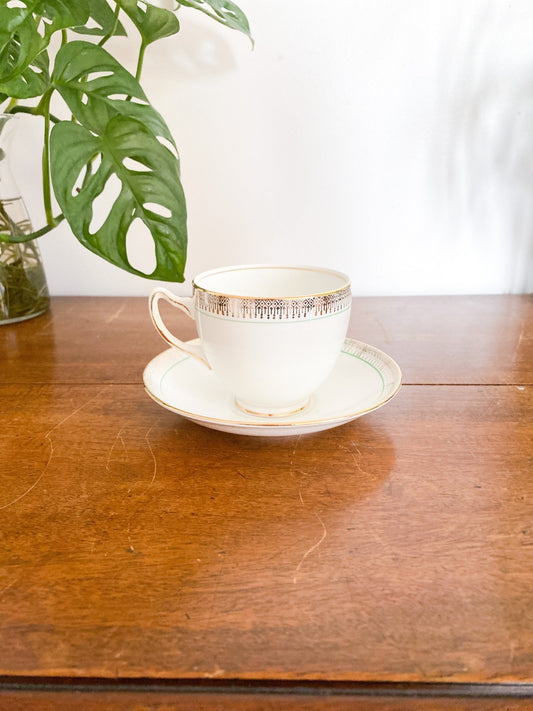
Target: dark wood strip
<point>186,701</point>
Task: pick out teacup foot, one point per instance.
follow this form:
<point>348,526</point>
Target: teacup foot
<point>272,412</point>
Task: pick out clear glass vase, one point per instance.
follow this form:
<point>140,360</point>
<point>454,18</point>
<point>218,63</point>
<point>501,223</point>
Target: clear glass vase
<point>23,288</point>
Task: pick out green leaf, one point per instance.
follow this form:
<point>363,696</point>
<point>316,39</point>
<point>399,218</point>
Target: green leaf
<point>152,22</point>
<point>10,20</point>
<point>34,80</point>
<point>91,82</point>
<point>20,43</point>
<point>61,14</point>
<point>104,17</point>
<point>72,147</point>
<point>223,11</point>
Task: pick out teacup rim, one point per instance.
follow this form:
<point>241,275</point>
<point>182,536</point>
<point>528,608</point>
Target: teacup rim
<point>301,267</point>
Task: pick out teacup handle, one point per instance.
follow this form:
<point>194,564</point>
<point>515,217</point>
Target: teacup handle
<point>185,304</point>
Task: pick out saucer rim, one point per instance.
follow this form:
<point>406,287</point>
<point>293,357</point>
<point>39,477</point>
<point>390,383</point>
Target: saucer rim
<point>340,419</point>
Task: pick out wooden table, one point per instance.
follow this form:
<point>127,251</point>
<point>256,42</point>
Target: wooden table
<point>149,563</point>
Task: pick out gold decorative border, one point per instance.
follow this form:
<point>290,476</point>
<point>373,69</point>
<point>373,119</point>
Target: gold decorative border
<point>267,309</point>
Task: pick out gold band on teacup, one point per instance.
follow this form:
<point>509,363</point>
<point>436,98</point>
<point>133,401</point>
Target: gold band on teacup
<point>266,309</point>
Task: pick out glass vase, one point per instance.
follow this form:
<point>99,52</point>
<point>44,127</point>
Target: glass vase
<point>23,288</point>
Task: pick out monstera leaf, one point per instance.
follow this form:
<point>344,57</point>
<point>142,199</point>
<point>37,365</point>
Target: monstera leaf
<point>34,79</point>
<point>223,11</point>
<point>95,87</point>
<point>153,23</point>
<point>115,137</point>
<point>20,43</point>
<point>153,194</point>
<point>20,39</point>
<point>61,14</point>
<point>12,16</point>
<point>104,17</point>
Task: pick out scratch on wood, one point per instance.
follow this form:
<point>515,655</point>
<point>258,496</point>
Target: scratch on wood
<point>117,313</point>
<point>47,326</point>
<point>6,587</point>
<point>356,458</point>
<point>152,453</point>
<point>128,531</point>
<point>217,673</point>
<point>520,337</point>
<point>315,545</point>
<point>385,334</point>
<point>36,481</point>
<point>74,413</point>
<point>119,436</point>
<point>294,450</point>
<point>358,461</point>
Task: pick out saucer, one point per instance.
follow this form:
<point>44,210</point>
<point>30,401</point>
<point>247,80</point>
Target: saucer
<point>363,379</point>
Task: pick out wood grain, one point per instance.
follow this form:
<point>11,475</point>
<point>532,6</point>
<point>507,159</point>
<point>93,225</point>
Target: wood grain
<point>395,548</point>
<point>129,701</point>
<point>435,340</point>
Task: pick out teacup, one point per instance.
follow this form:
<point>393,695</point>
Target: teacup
<point>271,334</point>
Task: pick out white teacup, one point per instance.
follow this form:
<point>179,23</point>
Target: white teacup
<point>271,334</point>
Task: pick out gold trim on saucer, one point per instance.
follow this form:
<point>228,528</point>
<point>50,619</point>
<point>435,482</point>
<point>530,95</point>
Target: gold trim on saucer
<point>272,414</point>
<point>351,348</point>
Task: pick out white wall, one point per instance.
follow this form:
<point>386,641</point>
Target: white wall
<point>392,139</point>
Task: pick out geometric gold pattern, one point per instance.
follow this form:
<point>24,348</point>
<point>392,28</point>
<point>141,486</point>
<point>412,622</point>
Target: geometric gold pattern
<point>266,309</point>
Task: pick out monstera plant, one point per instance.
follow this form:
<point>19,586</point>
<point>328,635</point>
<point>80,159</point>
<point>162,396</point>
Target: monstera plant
<point>98,122</point>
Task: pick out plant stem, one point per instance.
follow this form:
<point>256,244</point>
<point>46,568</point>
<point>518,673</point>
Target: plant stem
<point>47,192</point>
<point>39,233</point>
<point>114,26</point>
<point>140,61</point>
<point>23,236</point>
<point>34,110</point>
<point>7,222</point>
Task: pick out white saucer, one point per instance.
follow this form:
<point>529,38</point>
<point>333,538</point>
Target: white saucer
<point>363,379</point>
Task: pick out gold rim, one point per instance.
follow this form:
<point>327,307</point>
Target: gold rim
<point>271,414</point>
<point>293,425</point>
<point>346,285</point>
